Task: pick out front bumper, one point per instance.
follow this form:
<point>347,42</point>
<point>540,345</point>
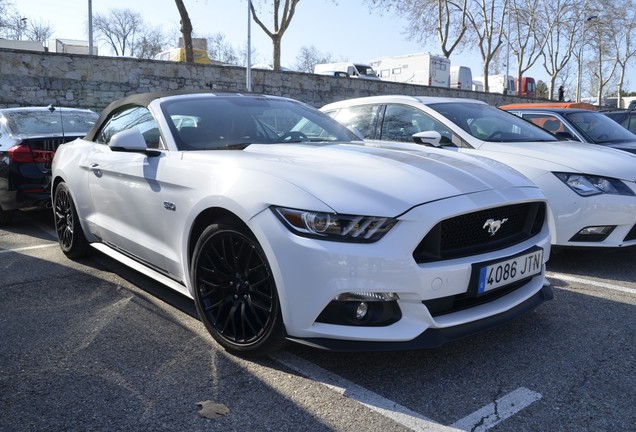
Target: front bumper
<point>435,337</point>
<point>311,273</point>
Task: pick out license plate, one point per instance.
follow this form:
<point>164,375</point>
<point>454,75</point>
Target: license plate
<point>505,272</point>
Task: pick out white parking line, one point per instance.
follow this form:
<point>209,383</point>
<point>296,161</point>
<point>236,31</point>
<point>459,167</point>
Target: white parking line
<point>27,248</point>
<point>498,411</point>
<point>481,420</point>
<point>373,401</point>
<point>591,282</point>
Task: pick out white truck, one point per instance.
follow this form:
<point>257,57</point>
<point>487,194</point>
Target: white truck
<point>21,45</point>
<point>70,46</point>
<point>355,70</point>
<point>423,69</point>
<point>497,84</point>
<point>461,77</point>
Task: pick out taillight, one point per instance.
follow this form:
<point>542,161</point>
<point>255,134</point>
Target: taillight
<point>22,153</point>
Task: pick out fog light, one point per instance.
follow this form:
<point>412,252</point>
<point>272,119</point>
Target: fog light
<point>367,296</point>
<point>593,233</point>
<point>361,310</point>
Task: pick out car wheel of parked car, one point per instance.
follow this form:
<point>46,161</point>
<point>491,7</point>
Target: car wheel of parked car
<point>235,292</point>
<point>6,217</point>
<point>69,231</point>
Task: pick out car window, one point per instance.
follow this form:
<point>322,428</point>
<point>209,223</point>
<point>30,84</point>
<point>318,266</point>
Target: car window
<point>627,119</point>
<point>488,123</point>
<point>220,122</point>
<point>128,118</point>
<point>361,117</point>
<point>598,128</point>
<point>49,122</point>
<point>401,122</point>
<point>548,122</point>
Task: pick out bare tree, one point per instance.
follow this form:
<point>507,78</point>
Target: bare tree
<point>186,31</point>
<point>603,42</point>
<point>444,19</point>
<point>309,56</point>
<point>126,33</point>
<point>282,17</point>
<point>624,46</point>
<point>565,30</point>
<point>487,19</point>
<point>7,12</point>
<point>13,25</point>
<point>221,50</point>
<point>119,29</point>
<point>150,43</point>
<point>39,31</point>
<point>542,89</point>
<point>527,36</point>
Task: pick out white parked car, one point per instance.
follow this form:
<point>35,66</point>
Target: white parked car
<point>281,226</point>
<point>591,189</point>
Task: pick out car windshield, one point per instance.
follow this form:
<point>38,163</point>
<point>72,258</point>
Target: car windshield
<point>598,128</point>
<point>46,122</point>
<point>488,123</point>
<point>219,122</point>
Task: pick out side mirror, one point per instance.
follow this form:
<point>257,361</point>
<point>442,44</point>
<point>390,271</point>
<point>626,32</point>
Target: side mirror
<point>131,140</point>
<point>430,138</point>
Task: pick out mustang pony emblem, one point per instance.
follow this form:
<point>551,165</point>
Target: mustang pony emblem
<point>494,225</point>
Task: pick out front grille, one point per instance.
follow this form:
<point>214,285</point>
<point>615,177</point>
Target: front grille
<point>469,234</point>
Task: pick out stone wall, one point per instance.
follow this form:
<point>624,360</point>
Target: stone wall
<point>72,80</point>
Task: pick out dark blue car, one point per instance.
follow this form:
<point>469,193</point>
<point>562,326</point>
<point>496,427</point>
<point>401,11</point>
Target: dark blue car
<point>28,139</point>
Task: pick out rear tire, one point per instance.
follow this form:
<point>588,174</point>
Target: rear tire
<point>69,230</point>
<point>235,292</point>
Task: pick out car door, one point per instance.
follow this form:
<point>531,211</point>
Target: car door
<point>125,191</point>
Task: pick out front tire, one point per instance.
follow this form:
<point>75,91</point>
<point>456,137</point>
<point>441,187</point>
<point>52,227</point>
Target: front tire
<point>69,230</point>
<point>235,292</point>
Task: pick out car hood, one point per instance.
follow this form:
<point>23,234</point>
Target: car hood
<point>566,156</point>
<point>389,178</point>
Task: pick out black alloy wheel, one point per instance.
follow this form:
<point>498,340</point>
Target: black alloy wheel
<point>235,292</point>
<point>69,231</point>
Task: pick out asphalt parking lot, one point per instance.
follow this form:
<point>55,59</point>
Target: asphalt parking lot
<point>93,346</point>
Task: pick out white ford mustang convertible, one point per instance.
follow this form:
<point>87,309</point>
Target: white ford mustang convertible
<point>282,225</point>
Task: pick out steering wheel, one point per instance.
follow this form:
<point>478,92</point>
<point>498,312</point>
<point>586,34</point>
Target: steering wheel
<point>494,135</point>
<point>293,136</point>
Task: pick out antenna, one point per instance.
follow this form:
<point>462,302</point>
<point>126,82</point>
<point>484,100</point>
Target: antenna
<point>52,108</point>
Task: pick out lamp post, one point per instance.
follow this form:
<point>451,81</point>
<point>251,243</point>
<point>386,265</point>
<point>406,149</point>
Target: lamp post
<point>21,26</point>
<point>507,57</point>
<point>248,72</point>
<point>90,27</point>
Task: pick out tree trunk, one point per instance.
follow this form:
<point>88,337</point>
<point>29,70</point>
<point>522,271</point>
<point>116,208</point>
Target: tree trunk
<point>186,31</point>
<point>276,42</point>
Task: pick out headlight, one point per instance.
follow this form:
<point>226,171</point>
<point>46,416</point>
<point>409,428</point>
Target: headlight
<point>588,185</point>
<point>333,226</point>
